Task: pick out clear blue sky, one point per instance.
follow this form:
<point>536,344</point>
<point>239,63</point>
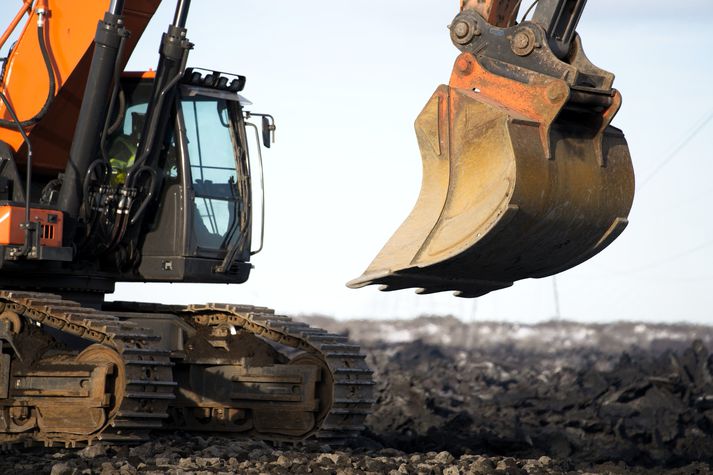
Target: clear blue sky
<point>345,81</point>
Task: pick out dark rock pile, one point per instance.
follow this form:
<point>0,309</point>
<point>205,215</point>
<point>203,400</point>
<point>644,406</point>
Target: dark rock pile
<point>484,399</point>
<point>639,408</point>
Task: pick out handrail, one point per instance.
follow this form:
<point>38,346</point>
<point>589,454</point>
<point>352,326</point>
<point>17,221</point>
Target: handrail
<point>262,188</point>
<point>26,6</point>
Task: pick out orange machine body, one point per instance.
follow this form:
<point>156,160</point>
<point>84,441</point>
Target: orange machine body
<point>70,29</point>
<point>12,218</point>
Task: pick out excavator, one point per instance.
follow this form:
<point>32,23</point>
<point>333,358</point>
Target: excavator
<point>109,176</point>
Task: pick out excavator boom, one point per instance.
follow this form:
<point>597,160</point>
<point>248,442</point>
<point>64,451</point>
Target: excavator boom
<point>68,36</point>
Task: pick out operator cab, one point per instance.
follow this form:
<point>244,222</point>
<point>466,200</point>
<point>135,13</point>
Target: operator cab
<point>202,227</point>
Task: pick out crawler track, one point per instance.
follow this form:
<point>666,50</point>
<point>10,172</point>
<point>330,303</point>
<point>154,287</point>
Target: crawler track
<point>143,382</point>
<point>352,395</point>
<point>148,386</point>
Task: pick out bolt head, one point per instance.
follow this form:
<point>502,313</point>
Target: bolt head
<point>555,93</point>
<point>521,40</point>
<point>461,29</point>
<point>463,65</point>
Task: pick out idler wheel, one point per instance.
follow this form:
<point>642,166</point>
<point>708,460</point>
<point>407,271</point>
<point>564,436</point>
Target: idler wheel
<point>13,319</point>
<point>116,380</point>
<point>325,388</point>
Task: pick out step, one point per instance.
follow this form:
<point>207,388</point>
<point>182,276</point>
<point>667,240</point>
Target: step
<point>149,395</point>
<point>137,424</point>
<point>148,382</point>
<point>146,351</point>
<point>142,415</point>
<point>329,338</point>
<point>349,412</point>
<point>109,437</point>
<point>340,354</point>
<point>353,371</point>
<point>353,382</point>
<point>124,335</point>
<point>355,401</point>
<point>339,346</point>
<point>148,363</point>
<point>342,428</point>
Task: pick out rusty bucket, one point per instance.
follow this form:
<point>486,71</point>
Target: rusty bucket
<point>518,182</point>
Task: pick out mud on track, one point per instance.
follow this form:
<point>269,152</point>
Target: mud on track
<point>487,398</point>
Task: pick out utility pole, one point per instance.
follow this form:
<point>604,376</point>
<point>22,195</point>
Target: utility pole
<point>558,315</point>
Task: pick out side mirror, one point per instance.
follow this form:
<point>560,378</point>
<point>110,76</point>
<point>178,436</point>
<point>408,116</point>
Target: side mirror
<point>268,130</point>
<point>268,127</point>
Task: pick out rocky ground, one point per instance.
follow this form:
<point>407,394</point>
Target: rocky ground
<point>484,398</point>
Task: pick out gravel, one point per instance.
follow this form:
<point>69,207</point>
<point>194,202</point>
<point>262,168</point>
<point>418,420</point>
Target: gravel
<point>486,398</point>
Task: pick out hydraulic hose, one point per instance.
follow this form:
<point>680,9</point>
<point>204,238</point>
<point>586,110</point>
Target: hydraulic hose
<point>52,85</point>
<point>109,126</point>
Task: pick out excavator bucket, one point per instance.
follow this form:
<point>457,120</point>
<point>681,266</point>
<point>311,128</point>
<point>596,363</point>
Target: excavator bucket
<point>519,180</point>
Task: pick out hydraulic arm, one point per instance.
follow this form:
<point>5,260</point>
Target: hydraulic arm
<point>69,30</point>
